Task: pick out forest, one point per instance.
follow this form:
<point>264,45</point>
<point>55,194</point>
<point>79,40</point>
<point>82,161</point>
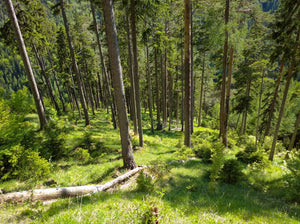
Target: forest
<point>149,111</point>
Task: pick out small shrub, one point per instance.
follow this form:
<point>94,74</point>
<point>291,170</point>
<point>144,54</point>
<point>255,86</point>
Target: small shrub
<point>144,182</point>
<point>217,164</point>
<point>250,155</point>
<point>293,179</point>
<point>184,152</point>
<point>81,154</point>
<point>203,151</point>
<point>231,171</point>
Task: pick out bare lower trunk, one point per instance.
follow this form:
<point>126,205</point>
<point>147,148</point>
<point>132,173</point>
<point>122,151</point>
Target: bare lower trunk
<point>245,113</point>
<point>259,108</point>
<point>116,70</point>
<point>27,65</point>
<point>294,133</point>
<point>159,126</point>
<point>149,87</point>
<point>136,73</point>
<point>201,92</point>
<point>187,73</point>
<point>75,66</point>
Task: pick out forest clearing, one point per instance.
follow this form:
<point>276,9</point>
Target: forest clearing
<point>149,111</point>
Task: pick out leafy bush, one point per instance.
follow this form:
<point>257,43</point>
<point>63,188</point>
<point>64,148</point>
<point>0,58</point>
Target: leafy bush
<point>203,151</point>
<point>81,154</point>
<point>250,155</point>
<point>21,102</point>
<point>217,164</point>
<point>53,145</point>
<point>184,152</point>
<point>231,171</point>
<point>23,164</point>
<point>293,179</point>
<point>144,182</point>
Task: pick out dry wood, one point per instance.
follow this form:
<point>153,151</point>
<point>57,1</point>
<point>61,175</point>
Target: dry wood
<point>54,193</point>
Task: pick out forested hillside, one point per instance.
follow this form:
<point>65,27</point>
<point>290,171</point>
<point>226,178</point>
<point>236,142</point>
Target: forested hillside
<point>205,95</point>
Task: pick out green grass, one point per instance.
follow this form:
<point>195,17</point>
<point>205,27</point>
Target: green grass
<point>181,193</point>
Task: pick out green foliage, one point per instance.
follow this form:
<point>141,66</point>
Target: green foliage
<point>144,182</point>
<point>21,102</point>
<point>231,171</point>
<point>184,152</point>
<point>217,165</point>
<point>23,164</point>
<point>250,154</point>
<point>203,151</point>
<point>293,178</point>
<point>81,155</point>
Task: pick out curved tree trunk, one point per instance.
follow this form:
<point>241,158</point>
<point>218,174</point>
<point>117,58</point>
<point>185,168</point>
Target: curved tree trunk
<point>27,65</point>
<point>116,70</point>
<point>75,66</point>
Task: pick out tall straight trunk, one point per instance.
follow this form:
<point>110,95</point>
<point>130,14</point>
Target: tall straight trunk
<point>75,94</point>
<point>227,96</point>
<point>164,83</point>
<point>259,108</point>
<point>272,107</point>
<point>116,70</point>
<point>294,133</point>
<point>182,91</point>
<point>193,78</point>
<point>61,98</point>
<point>27,65</point>
<point>149,87</point>
<point>170,100</point>
<point>223,88</point>
<point>187,72</point>
<point>106,82</point>
<point>177,96</point>
<point>285,93</point>
<point>71,99</point>
<point>159,126</point>
<point>48,83</point>
<point>245,113</point>
<point>75,66</point>
<point>100,87</point>
<point>136,73</point>
<point>201,91</point>
<point>131,76</point>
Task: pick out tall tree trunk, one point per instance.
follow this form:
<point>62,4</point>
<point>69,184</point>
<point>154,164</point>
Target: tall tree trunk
<point>259,108</point>
<point>136,73</point>
<point>182,90</point>
<point>149,86</point>
<point>187,72</point>
<point>227,96</point>
<point>116,70</point>
<point>170,100</point>
<point>294,133</point>
<point>159,126</point>
<point>61,98</point>
<point>201,92</point>
<point>75,94</point>
<point>193,78</point>
<point>100,88</point>
<point>245,113</point>
<point>177,96</point>
<point>164,83</point>
<point>272,107</point>
<point>75,66</point>
<point>48,84</point>
<point>223,88</point>
<point>285,93</point>
<point>27,65</point>
<point>131,76</point>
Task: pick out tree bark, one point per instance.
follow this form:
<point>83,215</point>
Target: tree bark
<point>159,126</point>
<point>55,193</point>
<point>227,97</point>
<point>272,107</point>
<point>75,66</point>
<point>56,82</point>
<point>27,65</point>
<point>170,100</point>
<point>259,108</point>
<point>285,93</point>
<point>294,133</point>
<point>136,73</point>
<point>223,87</point>
<point>245,113</point>
<point>149,86</point>
<point>48,84</point>
<point>116,70</point>
<point>131,76</point>
<point>187,73</point>
<point>201,92</point>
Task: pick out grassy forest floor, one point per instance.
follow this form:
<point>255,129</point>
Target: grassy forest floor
<point>180,189</point>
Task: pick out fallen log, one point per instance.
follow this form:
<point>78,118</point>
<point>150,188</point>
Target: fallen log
<point>54,193</point>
